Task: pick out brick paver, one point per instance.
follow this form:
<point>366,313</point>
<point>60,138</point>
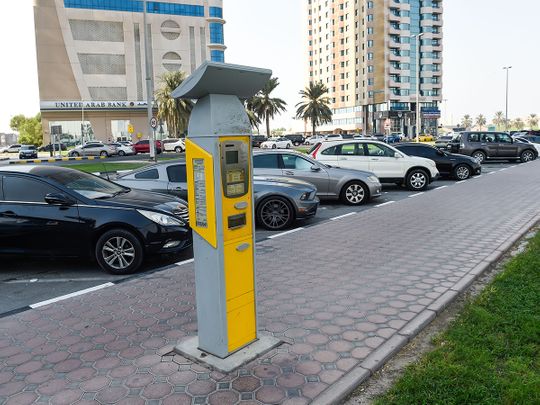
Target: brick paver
<point>343,295</point>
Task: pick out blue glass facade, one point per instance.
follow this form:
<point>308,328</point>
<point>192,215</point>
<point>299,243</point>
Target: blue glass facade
<point>153,7</point>
<point>216,12</point>
<point>216,33</point>
<point>415,30</point>
<point>217,56</point>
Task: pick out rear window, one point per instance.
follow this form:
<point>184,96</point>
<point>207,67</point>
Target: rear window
<point>151,174</point>
<point>269,161</point>
<point>177,174</point>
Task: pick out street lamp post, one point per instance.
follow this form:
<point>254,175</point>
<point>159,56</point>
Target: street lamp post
<point>418,76</point>
<point>507,68</point>
<point>149,88</point>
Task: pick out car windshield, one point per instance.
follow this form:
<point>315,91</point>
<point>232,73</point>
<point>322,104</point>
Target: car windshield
<point>28,147</point>
<point>87,185</point>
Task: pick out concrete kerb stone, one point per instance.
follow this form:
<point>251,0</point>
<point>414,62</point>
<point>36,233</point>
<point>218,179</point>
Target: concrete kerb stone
<point>480,268</point>
<point>464,283</point>
<point>419,322</point>
<point>379,357</point>
<point>342,387</point>
<point>443,301</point>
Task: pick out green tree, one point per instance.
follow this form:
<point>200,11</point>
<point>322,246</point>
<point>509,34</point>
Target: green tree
<point>315,106</point>
<point>267,107</point>
<point>532,120</point>
<point>175,112</point>
<point>254,119</point>
<point>499,120</point>
<point>481,122</point>
<point>17,121</point>
<point>518,124</point>
<point>466,121</point>
<point>31,131</point>
<point>278,131</point>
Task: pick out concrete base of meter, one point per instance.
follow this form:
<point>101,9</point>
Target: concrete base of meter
<point>190,350</point>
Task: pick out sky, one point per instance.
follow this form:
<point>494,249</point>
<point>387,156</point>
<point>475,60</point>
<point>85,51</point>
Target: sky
<point>480,37</point>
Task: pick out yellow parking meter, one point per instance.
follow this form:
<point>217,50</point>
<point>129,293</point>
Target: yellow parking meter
<point>220,196</point>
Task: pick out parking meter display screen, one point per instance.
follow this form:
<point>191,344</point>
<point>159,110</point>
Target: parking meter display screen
<point>199,181</point>
<point>231,157</point>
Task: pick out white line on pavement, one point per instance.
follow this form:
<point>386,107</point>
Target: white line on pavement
<point>438,188</point>
<point>462,181</point>
<point>503,169</point>
<point>55,280</point>
<point>185,262</point>
<point>416,195</point>
<point>75,294</point>
<point>343,216</point>
<point>480,175</point>
<point>512,166</point>
<point>386,203</point>
<point>285,233</point>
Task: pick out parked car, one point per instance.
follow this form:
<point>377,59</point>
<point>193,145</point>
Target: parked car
<point>491,145</point>
<point>378,137</point>
<point>93,149</point>
<point>278,201</point>
<point>392,138</point>
<point>123,150</point>
<point>426,138</point>
<point>353,187</point>
<point>28,152</point>
<point>174,145</point>
<point>144,147</point>
<point>460,167</point>
<point>526,140</point>
<point>443,141</point>
<point>127,143</point>
<point>333,137</point>
<point>277,143</point>
<point>51,210</point>
<point>313,140</point>
<point>257,140</point>
<point>50,147</point>
<point>386,162</point>
<point>296,139</point>
<point>532,136</point>
<point>12,149</point>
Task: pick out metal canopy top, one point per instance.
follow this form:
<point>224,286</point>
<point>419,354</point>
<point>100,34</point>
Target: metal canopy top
<point>223,78</point>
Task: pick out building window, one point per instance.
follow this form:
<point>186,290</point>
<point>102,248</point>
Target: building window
<point>217,56</point>
<point>216,12</point>
<point>216,33</point>
<point>153,7</point>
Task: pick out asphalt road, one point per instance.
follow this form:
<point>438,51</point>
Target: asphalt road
<point>26,281</point>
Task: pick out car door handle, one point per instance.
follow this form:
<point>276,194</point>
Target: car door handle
<point>288,172</point>
<point>342,158</point>
<point>374,159</point>
<point>9,214</point>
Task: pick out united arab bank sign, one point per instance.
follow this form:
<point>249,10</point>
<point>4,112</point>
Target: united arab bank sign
<point>91,105</point>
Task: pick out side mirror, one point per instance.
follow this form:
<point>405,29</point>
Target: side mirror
<point>58,199</point>
<point>315,168</point>
<point>440,152</point>
<point>398,155</point>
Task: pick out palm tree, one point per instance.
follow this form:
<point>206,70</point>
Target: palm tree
<point>532,121</point>
<point>254,119</point>
<point>466,121</point>
<point>518,124</point>
<point>499,119</point>
<point>480,122</point>
<point>315,106</point>
<point>267,107</point>
<point>174,111</point>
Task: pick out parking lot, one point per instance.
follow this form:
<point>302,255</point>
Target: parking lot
<point>24,282</point>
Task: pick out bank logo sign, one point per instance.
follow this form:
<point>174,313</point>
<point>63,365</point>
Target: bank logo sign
<point>91,105</point>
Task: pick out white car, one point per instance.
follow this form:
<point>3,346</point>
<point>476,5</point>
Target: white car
<point>123,149</point>
<point>386,162</point>
<point>313,140</point>
<point>277,143</point>
<point>334,137</point>
<point>174,145</point>
<point>524,140</point>
<point>12,149</point>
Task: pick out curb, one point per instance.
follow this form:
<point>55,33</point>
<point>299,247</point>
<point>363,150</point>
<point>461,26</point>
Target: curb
<point>376,360</point>
<point>52,160</point>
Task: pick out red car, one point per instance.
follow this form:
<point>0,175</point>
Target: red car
<point>144,147</point>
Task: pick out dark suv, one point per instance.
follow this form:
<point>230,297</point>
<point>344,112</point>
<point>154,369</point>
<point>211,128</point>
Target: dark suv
<point>256,140</point>
<point>296,139</point>
<point>491,145</point>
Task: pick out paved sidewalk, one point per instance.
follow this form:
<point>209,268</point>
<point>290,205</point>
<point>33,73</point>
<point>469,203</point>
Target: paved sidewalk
<point>344,295</point>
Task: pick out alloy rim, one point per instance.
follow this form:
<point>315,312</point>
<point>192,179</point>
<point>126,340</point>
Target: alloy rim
<point>527,156</point>
<point>118,252</point>
<point>462,173</point>
<point>479,157</point>
<point>275,214</point>
<point>354,194</point>
<point>418,180</point>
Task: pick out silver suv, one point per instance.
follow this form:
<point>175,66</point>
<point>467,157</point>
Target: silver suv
<point>491,145</point>
<point>94,149</point>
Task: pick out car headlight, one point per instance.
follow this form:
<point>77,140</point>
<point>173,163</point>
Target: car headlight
<point>373,179</point>
<point>306,196</point>
<point>161,219</point>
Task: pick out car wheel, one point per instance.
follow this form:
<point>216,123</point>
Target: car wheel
<point>274,146</point>
<point>417,180</point>
<point>75,154</point>
<point>462,172</point>
<point>354,193</point>
<point>121,153</point>
<point>119,252</point>
<point>288,146</point>
<point>527,156</point>
<point>275,213</point>
<point>296,144</point>
<point>479,156</point>
<point>103,153</point>
<point>178,149</point>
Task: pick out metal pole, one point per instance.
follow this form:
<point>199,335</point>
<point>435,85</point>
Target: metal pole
<point>418,76</point>
<point>507,68</point>
<point>149,88</point>
<point>82,124</point>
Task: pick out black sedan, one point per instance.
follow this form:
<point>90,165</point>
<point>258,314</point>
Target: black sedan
<point>55,211</point>
<point>460,167</point>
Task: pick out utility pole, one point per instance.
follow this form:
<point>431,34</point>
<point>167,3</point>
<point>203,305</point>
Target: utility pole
<point>149,87</point>
<point>507,68</point>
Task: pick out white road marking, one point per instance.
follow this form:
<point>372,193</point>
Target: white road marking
<point>417,194</point>
<point>512,166</point>
<point>438,188</point>
<point>491,173</point>
<point>75,294</point>
<point>386,203</point>
<point>343,216</point>
<point>503,169</point>
<point>185,262</point>
<point>55,280</point>
<point>462,181</point>
<point>480,175</point>
<point>285,233</point>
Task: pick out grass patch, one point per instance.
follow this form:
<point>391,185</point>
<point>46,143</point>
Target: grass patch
<point>105,167</point>
<point>491,353</point>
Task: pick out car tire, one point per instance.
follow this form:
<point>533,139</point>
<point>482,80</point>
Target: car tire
<point>103,153</point>
<point>527,156</point>
<point>296,143</point>
<point>354,193</point>
<point>119,251</point>
<point>274,146</point>
<point>275,213</point>
<point>288,146</point>
<point>479,156</point>
<point>417,180</point>
<point>462,172</point>
<point>75,154</point>
<point>121,153</point>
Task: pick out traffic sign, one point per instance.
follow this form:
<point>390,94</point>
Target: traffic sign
<point>131,129</point>
<point>153,122</point>
<point>139,135</point>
